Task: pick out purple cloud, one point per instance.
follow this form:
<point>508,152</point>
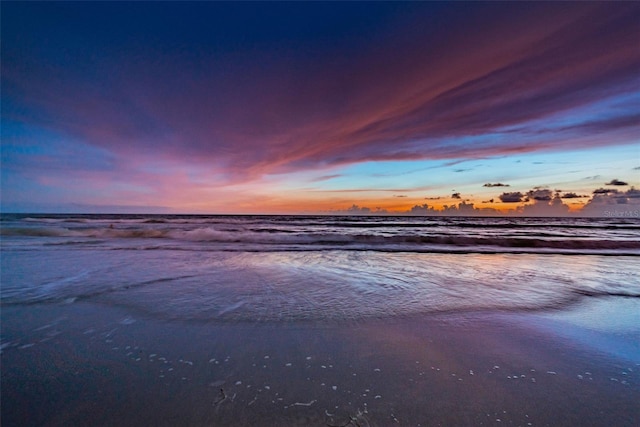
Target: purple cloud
<point>514,197</point>
<point>543,206</point>
<point>616,182</point>
<point>572,196</point>
<point>252,112</point>
<point>605,191</point>
<point>540,194</point>
<point>614,203</point>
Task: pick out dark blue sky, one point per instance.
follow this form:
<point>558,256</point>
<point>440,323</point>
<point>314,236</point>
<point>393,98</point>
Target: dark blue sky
<point>228,107</point>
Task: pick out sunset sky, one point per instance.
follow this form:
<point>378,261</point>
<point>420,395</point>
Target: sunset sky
<point>356,107</point>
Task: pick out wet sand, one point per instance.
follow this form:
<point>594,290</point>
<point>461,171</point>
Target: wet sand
<point>89,363</point>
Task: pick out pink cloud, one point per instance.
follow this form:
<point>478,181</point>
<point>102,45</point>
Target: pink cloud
<point>245,115</point>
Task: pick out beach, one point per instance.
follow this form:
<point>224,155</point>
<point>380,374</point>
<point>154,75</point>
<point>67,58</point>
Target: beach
<point>319,321</point>
<point>325,214</point>
<point>91,364</point>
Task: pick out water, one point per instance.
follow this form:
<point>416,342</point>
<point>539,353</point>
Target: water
<point>283,268</point>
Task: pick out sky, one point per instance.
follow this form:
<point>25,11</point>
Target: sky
<point>321,108</point>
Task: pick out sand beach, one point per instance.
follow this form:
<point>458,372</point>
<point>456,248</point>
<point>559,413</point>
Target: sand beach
<point>89,363</point>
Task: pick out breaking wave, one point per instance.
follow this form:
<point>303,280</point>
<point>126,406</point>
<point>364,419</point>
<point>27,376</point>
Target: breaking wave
<point>266,238</point>
<point>278,268</point>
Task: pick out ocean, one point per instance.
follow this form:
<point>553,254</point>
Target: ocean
<point>168,320</point>
<point>281,268</point>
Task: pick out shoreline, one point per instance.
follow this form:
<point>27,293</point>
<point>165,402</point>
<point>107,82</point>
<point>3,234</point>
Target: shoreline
<point>94,364</point>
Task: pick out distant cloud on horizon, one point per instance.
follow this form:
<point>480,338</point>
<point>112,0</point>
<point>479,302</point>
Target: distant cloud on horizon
<point>614,203</point>
<point>540,194</point>
<point>572,196</point>
<point>616,182</point>
<point>513,197</point>
<point>605,191</point>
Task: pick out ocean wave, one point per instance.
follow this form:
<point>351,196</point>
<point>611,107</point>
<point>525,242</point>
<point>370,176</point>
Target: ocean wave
<point>276,237</point>
<point>606,293</point>
<point>337,285</point>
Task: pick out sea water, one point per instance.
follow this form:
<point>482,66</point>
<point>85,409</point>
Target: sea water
<point>316,268</point>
